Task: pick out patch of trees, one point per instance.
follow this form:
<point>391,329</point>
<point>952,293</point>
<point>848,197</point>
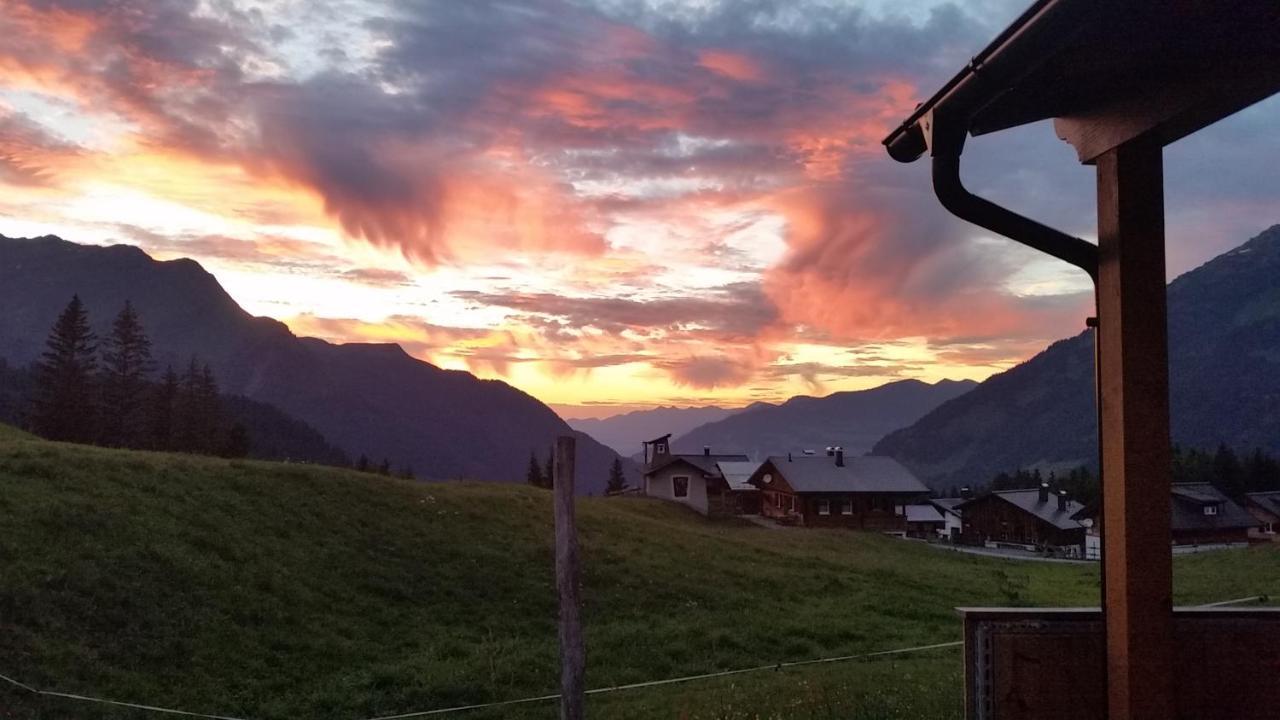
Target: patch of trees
<point>106,393</point>
<point>363,464</point>
<point>543,475</point>
<point>1233,474</point>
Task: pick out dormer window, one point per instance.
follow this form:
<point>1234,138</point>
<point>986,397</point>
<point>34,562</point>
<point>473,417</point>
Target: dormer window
<point>1210,509</point>
<point>661,448</point>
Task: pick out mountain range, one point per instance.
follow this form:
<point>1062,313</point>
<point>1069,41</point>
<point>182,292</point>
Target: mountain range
<point>1224,374</point>
<point>372,399</point>
<point>854,420</point>
<point>626,431</point>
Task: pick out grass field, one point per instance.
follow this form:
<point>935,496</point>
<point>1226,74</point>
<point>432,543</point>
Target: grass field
<point>282,591</point>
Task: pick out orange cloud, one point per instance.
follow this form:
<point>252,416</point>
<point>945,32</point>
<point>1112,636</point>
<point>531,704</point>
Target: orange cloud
<point>732,65</point>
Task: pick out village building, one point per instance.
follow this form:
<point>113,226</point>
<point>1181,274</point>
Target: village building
<point>866,493</point>
<point>1265,508</point>
<point>1035,519</point>
<point>924,521</point>
<point>699,480</point>
<point>1201,517</point>
<point>952,524</point>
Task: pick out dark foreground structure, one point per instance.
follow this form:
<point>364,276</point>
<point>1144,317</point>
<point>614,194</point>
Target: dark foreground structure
<point>1121,79</point>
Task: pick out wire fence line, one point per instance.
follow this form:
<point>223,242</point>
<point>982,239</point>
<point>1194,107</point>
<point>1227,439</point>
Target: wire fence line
<point>518,701</point>
<point>556,696</point>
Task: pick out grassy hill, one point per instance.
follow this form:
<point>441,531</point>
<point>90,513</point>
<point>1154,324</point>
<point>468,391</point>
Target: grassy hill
<point>268,591</point>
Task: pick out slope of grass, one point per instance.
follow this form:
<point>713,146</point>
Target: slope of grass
<point>288,591</point>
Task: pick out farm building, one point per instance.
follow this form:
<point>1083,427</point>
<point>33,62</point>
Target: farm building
<point>1265,508</point>
<point>699,480</point>
<point>952,525</point>
<point>1033,519</point>
<point>866,493</point>
<point>1201,515</point>
<point>924,520</point>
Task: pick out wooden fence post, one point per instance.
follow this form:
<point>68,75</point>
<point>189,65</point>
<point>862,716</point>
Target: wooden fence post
<point>573,657</point>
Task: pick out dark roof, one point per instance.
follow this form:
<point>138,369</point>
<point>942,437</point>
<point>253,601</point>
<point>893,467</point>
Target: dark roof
<point>1185,64</point>
<point>1047,510</point>
<point>1268,501</point>
<point>866,474</point>
<point>924,513</point>
<point>737,474</point>
<point>1189,500</point>
<point>701,461</point>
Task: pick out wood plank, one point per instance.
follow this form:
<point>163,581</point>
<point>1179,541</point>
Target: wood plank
<point>573,656</point>
<point>1133,351</point>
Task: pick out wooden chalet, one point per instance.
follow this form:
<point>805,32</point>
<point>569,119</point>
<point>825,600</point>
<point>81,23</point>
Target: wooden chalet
<point>709,483</point>
<point>1036,519</point>
<point>865,493</point>
<point>1200,515</point>
<point>1265,508</point>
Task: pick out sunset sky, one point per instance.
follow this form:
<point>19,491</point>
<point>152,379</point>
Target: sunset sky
<point>609,204</point>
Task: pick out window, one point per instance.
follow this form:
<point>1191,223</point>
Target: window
<point>1210,509</point>
<point>824,507</point>
<point>661,449</point>
<point>680,486</point>
<point>846,506</point>
<point>1268,528</point>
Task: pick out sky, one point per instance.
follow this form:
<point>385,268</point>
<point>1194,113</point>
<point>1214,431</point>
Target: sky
<point>609,204</point>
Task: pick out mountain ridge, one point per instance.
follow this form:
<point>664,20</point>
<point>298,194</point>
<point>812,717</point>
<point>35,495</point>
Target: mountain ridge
<point>371,398</point>
<point>1224,350</point>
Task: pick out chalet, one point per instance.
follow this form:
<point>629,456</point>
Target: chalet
<point>1034,519</point>
<point>924,520</point>
<point>952,525</point>
<point>1265,508</point>
<point>1201,515</point>
<point>866,493</point>
<point>699,480</point>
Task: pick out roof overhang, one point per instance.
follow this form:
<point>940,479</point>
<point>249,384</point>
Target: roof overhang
<point>1107,71</point>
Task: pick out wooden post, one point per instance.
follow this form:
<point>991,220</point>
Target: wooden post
<point>1134,366</point>
<point>573,658</point>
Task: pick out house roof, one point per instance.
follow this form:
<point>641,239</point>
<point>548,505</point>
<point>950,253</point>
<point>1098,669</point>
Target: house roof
<point>950,505</point>
<point>1189,500</point>
<point>702,461</point>
<point>1176,66</point>
<point>1047,510</point>
<point>737,474</point>
<point>1268,501</point>
<point>865,474</point>
<point>924,513</point>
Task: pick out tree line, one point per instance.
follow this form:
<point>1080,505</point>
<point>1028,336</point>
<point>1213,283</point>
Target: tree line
<point>1231,473</point>
<point>105,393</point>
<point>543,475</point>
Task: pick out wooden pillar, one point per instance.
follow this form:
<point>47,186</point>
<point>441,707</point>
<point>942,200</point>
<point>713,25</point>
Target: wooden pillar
<point>1134,369</point>
<point>573,657</point>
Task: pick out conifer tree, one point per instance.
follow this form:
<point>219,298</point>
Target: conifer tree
<point>209,402</point>
<point>385,467</point>
<point>362,465</point>
<point>187,416</point>
<point>164,398</point>
<point>63,404</point>
<point>534,474</point>
<point>617,478</point>
<point>126,363</point>
<point>238,444</point>
<point>549,474</point>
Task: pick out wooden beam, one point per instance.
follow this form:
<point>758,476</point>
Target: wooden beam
<point>573,655</point>
<point>1134,368</point>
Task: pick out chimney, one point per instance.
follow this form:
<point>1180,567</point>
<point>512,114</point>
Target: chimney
<point>839,457</point>
<point>966,492</point>
<point>1044,492</point>
<point>830,451</point>
<point>706,451</point>
<point>1062,501</point>
<point>788,456</point>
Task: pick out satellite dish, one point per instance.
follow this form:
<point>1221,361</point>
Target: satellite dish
<point>767,478</point>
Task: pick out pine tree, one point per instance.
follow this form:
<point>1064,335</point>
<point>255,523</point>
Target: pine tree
<point>362,465</point>
<point>209,402</point>
<point>63,404</point>
<point>533,475</point>
<point>126,358</point>
<point>617,478</point>
<point>238,444</point>
<point>188,418</point>
<point>385,467</point>
<point>549,474</point>
<point>164,398</point>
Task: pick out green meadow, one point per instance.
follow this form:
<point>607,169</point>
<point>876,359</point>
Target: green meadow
<point>271,591</point>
